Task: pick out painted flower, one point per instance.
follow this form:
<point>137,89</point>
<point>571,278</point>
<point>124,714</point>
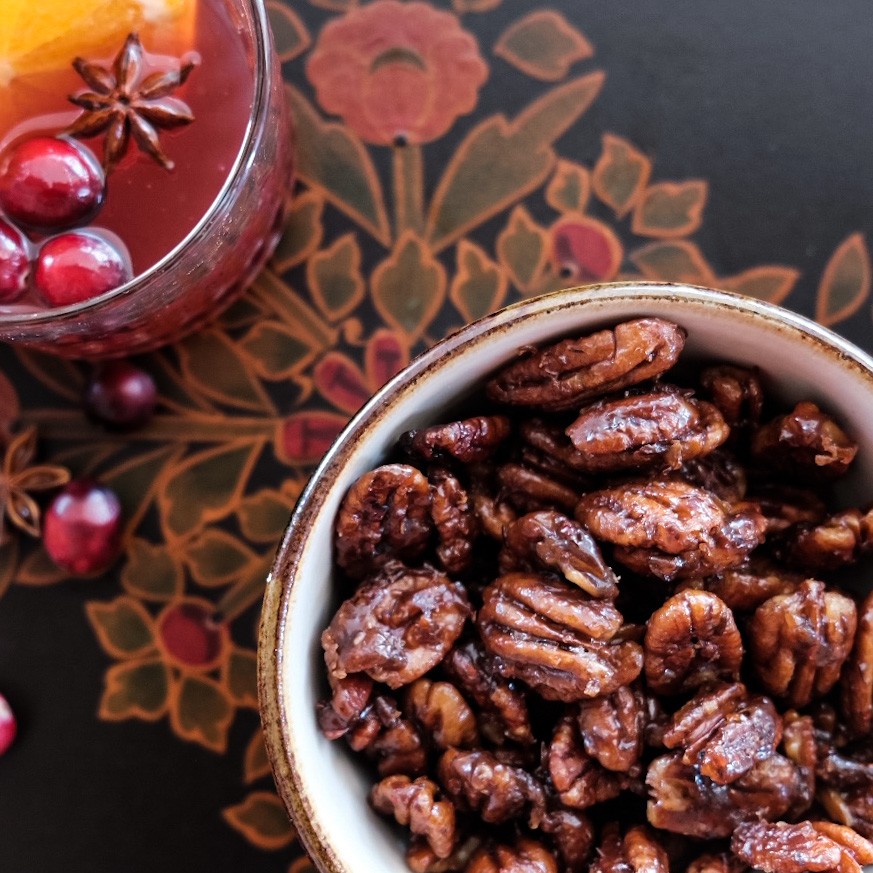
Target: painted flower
<point>585,250</point>
<point>180,663</point>
<point>397,72</point>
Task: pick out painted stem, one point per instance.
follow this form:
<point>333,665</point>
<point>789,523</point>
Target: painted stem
<point>408,189</point>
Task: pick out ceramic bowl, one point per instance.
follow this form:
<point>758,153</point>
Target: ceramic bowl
<point>323,788</point>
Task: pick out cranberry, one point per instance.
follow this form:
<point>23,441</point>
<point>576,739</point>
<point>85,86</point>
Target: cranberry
<point>191,635</point>
<point>82,528</point>
<point>8,725</point>
<point>14,263</point>
<point>74,267</point>
<point>120,395</point>
<point>48,183</point>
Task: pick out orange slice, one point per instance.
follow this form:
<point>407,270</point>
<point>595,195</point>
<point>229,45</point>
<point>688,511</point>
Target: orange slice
<point>43,35</point>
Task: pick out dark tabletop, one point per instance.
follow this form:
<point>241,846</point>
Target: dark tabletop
<point>554,144</point>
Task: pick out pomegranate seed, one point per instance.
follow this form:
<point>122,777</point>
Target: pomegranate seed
<point>120,395</point>
<point>48,183</point>
<point>8,725</point>
<point>82,528</point>
<point>14,263</point>
<point>75,267</point>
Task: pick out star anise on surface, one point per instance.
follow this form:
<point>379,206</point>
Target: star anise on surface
<point>19,477</point>
<point>125,104</point>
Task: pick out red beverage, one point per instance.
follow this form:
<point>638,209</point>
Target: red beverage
<point>191,236</point>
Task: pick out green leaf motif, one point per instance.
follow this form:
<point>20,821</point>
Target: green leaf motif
<point>522,247</point>
<point>543,45</point>
<point>289,32</point>
<point>262,820</point>
<point>845,282</point>
<point>38,569</point>
<point>277,352</point>
<point>479,286</point>
<point>256,764</point>
<point>569,187</point>
<point>216,557</point>
<point>673,261</point>
<point>138,689</point>
<point>772,283</point>
<point>241,677</point>
<point>499,162</point>
<point>410,265</point>
<point>335,162</point>
<point>620,174</point>
<point>334,277</point>
<point>303,231</point>
<point>151,573</point>
<point>202,713</point>
<point>670,209</point>
<point>123,627</point>
<point>264,516</point>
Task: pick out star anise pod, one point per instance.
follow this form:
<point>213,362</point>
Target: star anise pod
<point>19,477</point>
<point>124,104</point>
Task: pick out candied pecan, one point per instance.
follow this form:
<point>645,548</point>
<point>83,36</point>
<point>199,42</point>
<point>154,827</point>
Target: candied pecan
<point>414,804</point>
<point>453,518</point>
<point>564,375</point>
<point>670,529</point>
<point>799,745</point>
<point>469,441</point>
<point>856,683</point>
<point>550,440</point>
<point>737,392</point>
<point>524,856</point>
<point>443,713</point>
<point>721,863</point>
<point>420,858</point>
<point>581,782</point>
<point>555,638</point>
<point>683,801</point>
<point>798,642</point>
<point>638,852</point>
<point>397,626</point>
<point>723,732</point>
<point>528,489</point>
<point>834,542</point>
<point>351,695</point>
<point>392,741</point>
<point>503,707</point>
<point>491,508</point>
<point>796,848</point>
<point>845,789</point>
<point>612,728</point>
<point>719,472</point>
<point>784,506</point>
<point>553,541</point>
<point>498,792</point>
<point>690,641</point>
<point>805,441</point>
<point>745,588</point>
<point>660,428</point>
<point>384,515</point>
<point>572,836</point>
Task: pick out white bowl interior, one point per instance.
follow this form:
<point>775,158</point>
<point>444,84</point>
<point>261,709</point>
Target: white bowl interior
<point>816,365</point>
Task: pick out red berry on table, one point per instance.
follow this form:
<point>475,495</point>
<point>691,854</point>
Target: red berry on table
<point>74,267</point>
<point>8,725</point>
<point>82,528</point>
<point>14,263</point>
<point>120,395</point>
<point>49,184</point>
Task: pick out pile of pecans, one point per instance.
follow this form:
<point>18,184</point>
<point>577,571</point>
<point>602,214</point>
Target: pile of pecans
<point>594,630</point>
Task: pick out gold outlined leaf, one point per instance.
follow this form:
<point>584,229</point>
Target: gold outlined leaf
<point>523,249</point>
<point>240,676</point>
<point>201,713</point>
<point>264,516</point>
<point>8,563</point>
<point>277,351</point>
<point>216,557</point>
<point>621,174</point>
<point>289,32</point>
<point>123,627</point>
<point>499,161</point>
<point>10,408</point>
<point>152,572</point>
<point>334,278</point>
<point>256,764</point>
<point>332,160</point>
<point>37,569</point>
<point>384,357</point>
<point>303,231</point>
<point>304,437</point>
<point>206,486</point>
<point>670,209</point>
<point>410,266</point>
<point>543,45</point>
<point>845,282</point>
<point>770,282</point>
<point>58,374</point>
<point>479,285</point>
<point>262,820</point>
<point>569,188</point>
<point>673,261</point>
<point>135,689</point>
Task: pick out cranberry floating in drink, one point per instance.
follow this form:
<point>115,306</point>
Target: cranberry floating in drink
<point>144,161</point>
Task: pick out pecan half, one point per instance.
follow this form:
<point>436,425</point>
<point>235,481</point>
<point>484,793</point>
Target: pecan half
<point>393,742</point>
<point>350,698</point>
<point>798,642</point>
<point>529,489</point>
<point>443,714</point>
<point>469,441</point>
<point>719,472</point>
<point>836,541</point>
<point>737,392</point>
<point>453,518</point>
<point>724,862</point>
<point>555,638</point>
<point>856,683</point>
<point>421,858</point>
<point>637,852</point>
<point>572,835</point>
<point>745,588</point>
<point>612,728</point>
<point>397,626</point>
<point>524,856</point>
<point>564,375</point>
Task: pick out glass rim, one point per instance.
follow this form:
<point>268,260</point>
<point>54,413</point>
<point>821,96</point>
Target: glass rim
<point>263,52</point>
